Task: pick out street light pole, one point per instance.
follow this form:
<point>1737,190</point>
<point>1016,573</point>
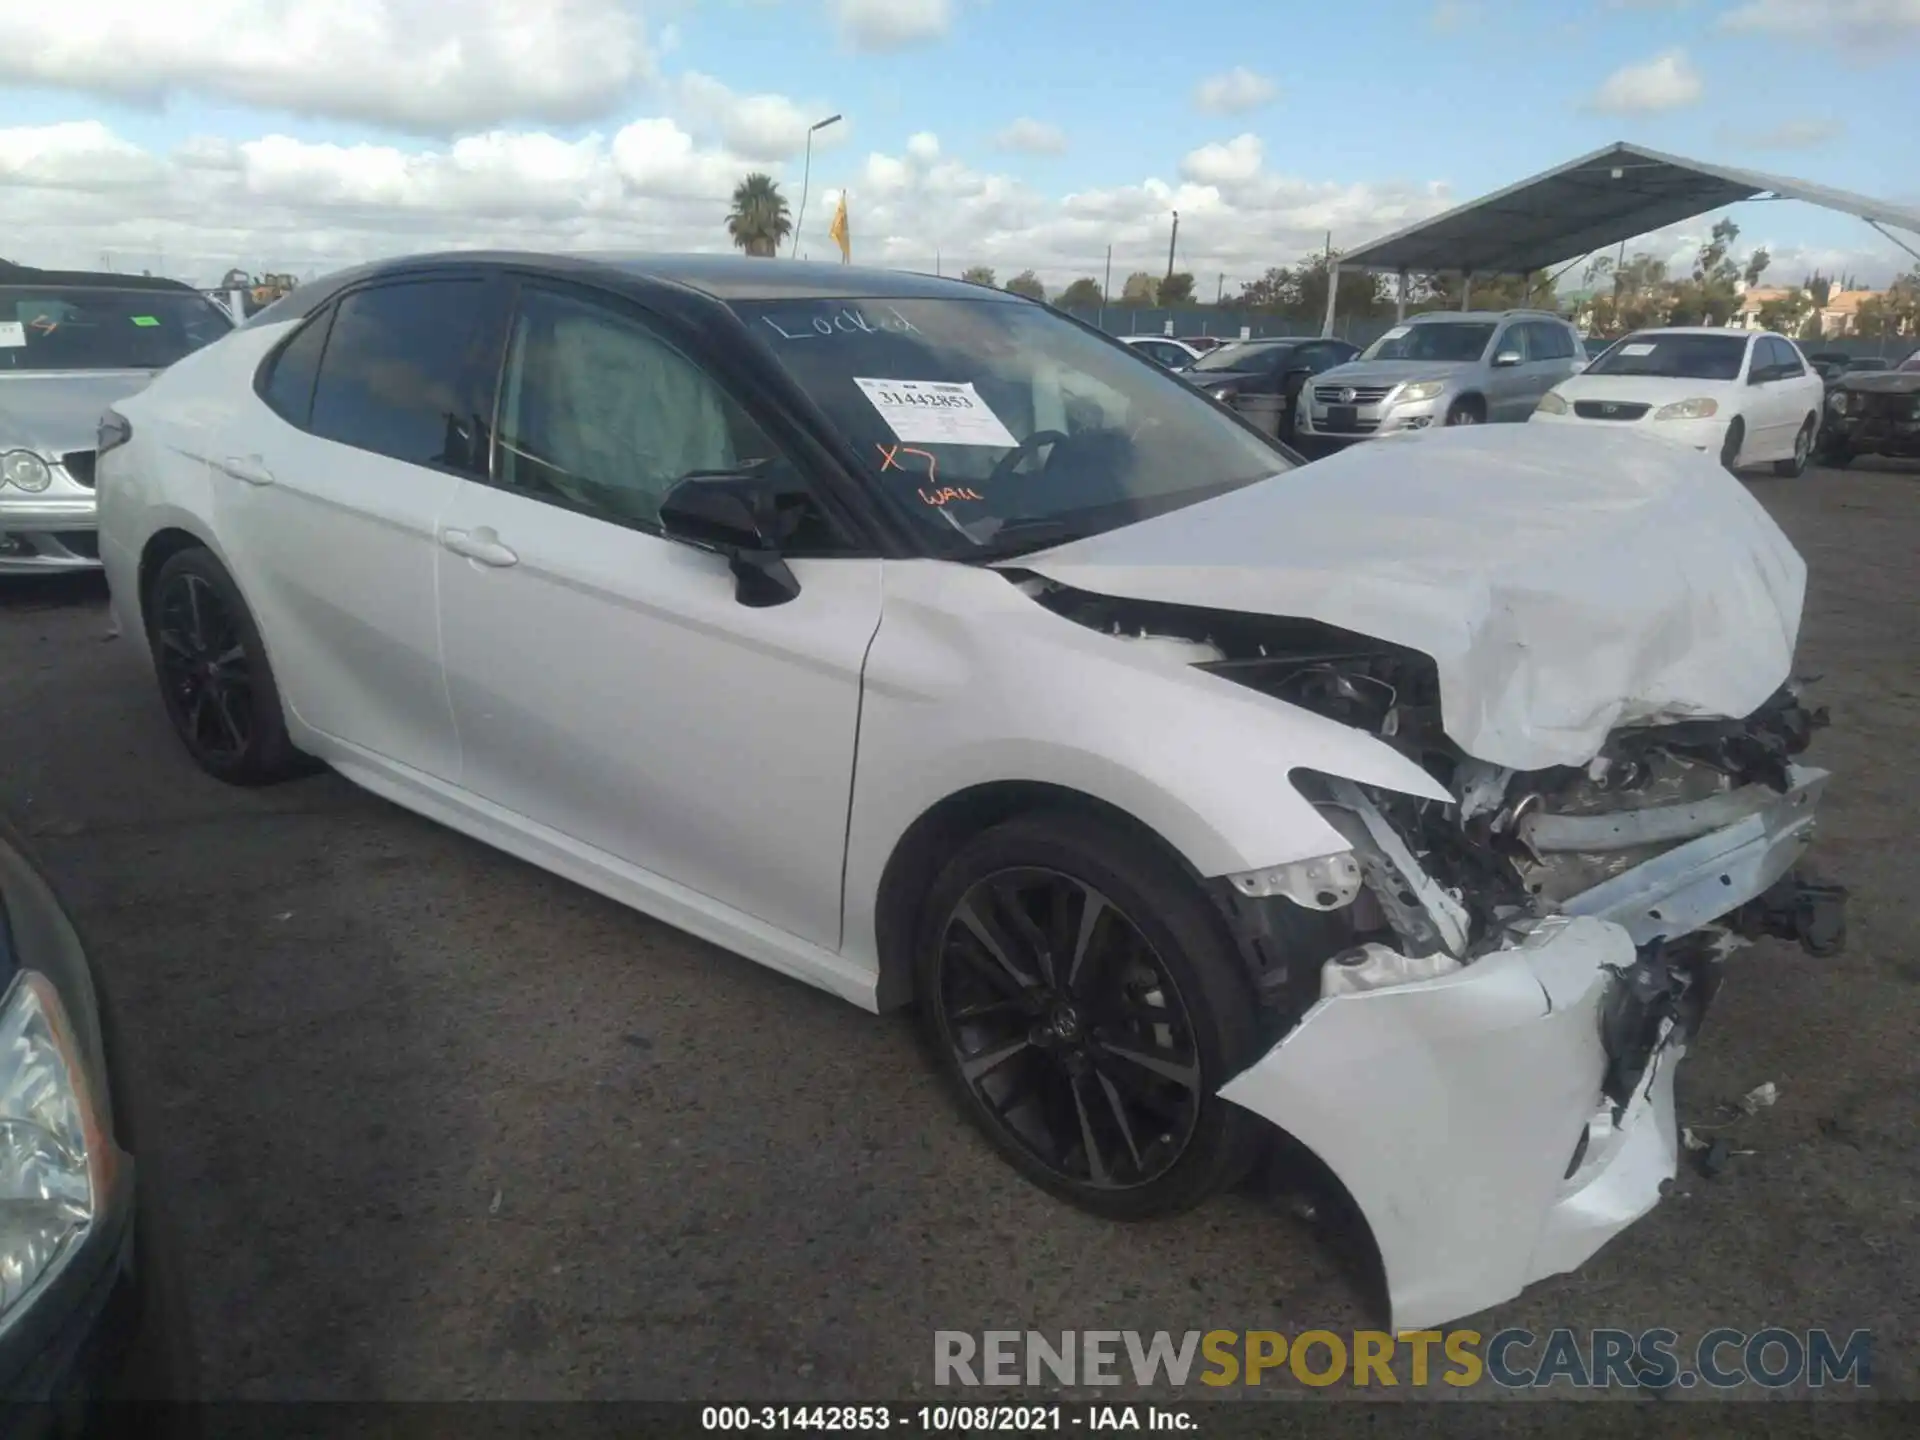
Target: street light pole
<point>806,178</point>
<point>1172,240</point>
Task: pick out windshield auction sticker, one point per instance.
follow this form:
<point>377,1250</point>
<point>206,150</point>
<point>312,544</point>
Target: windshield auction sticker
<point>12,335</point>
<point>934,412</point>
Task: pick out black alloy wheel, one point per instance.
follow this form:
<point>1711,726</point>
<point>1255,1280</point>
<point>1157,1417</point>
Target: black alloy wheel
<point>1069,1029</point>
<point>205,671</point>
<point>215,681</point>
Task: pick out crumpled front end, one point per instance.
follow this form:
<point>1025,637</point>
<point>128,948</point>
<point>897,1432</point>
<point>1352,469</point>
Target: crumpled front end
<point>1488,1068</point>
<point>1479,1004</point>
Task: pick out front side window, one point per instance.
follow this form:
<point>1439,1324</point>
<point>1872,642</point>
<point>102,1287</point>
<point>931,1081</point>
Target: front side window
<point>1442,340</point>
<point>396,373</point>
<point>1787,358</point>
<point>998,427</point>
<point>599,414</point>
<point>55,327</point>
<point>1672,355</point>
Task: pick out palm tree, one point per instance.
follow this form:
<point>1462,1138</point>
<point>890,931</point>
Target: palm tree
<point>758,221</point>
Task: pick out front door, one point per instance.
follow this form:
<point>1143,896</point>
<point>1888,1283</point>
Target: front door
<point>606,683</point>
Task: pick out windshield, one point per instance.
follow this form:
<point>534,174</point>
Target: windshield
<point>1867,364</point>
<point>54,327</point>
<point>1000,428</point>
<point>1672,356</point>
<point>1435,340</point>
<point>1242,356</point>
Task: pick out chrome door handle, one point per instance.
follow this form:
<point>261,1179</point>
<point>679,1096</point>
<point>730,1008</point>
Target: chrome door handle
<point>481,546</point>
<point>247,468</point>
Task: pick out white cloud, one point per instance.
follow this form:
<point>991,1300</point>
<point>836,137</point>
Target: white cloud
<point>1235,92</point>
<point>1234,163</point>
<point>1806,133</point>
<point>1031,137</point>
<point>1666,82</point>
<point>881,26</point>
<point>760,127</point>
<point>70,192</point>
<point>1864,27</point>
<point>386,62</point>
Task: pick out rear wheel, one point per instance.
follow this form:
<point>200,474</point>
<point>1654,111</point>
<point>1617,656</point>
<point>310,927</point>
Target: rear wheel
<point>1802,451</point>
<point>1085,1004</point>
<point>1730,447</point>
<point>215,681</point>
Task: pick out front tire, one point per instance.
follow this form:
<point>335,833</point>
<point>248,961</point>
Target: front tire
<point>1802,452</point>
<point>1466,411</point>
<point>215,681</point>
<point>1730,447</point>
<point>1084,1001</point>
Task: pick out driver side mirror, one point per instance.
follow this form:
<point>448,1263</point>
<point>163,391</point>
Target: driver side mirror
<point>1505,359</point>
<point>735,514</point>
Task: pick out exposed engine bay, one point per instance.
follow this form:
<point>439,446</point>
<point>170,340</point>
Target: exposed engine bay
<point>1445,883</point>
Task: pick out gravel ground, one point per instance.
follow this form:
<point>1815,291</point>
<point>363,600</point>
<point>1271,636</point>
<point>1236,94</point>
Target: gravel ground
<point>431,1123</point>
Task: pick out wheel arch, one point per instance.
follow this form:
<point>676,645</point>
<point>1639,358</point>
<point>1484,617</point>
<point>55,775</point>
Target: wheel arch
<point>927,843</point>
<point>161,546</point>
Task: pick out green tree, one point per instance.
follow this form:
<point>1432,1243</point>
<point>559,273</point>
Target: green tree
<point>1082,294</point>
<point>1490,292</point>
<point>1789,313</point>
<point>1712,294</point>
<point>1269,292</point>
<point>1175,290</point>
<point>1140,289</point>
<point>980,275</point>
<point>1757,264</point>
<point>1028,284</point>
<point>759,222</point>
<point>1820,287</point>
<point>1363,293</point>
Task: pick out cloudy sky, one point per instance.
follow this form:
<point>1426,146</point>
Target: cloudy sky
<point>188,135</point>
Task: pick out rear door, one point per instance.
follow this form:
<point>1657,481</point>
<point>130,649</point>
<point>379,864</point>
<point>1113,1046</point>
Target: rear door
<point>331,487</point>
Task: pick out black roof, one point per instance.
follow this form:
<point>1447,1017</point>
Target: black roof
<point>11,274</point>
<point>721,277</point>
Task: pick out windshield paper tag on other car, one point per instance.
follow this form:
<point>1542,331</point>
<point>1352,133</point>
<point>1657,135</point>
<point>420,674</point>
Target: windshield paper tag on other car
<point>12,334</point>
<point>145,322</point>
<point>1637,349</point>
<point>935,412</point>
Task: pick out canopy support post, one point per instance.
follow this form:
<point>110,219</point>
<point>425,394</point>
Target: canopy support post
<point>1333,292</point>
<point>1466,291</point>
<point>1400,299</point>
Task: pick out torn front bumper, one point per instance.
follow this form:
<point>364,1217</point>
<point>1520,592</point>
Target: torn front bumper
<point>1501,1122</point>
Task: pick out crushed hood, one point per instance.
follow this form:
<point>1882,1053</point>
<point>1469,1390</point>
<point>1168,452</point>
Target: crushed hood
<point>56,411</point>
<point>1563,588</point>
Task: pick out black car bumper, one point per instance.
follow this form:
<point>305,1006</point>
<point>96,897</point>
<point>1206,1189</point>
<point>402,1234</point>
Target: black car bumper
<point>1873,435</point>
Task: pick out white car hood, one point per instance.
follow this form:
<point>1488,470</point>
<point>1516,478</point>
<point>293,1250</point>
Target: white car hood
<point>1562,588</point>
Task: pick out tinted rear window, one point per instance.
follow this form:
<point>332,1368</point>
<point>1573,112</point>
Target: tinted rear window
<point>393,380</point>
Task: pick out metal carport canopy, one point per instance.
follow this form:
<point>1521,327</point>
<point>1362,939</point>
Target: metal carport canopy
<point>1587,204</point>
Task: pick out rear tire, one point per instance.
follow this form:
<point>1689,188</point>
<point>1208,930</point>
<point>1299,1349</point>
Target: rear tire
<point>215,680</point>
<point>1730,447</point>
<point>1045,1054</point>
<point>1802,451</point>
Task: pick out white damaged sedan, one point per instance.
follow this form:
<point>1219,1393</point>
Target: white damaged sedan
<point>919,642</point>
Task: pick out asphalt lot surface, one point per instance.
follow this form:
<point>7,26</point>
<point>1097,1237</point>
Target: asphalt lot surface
<point>434,1124</point>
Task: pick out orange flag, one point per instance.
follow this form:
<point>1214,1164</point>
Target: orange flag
<point>837,232</point>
